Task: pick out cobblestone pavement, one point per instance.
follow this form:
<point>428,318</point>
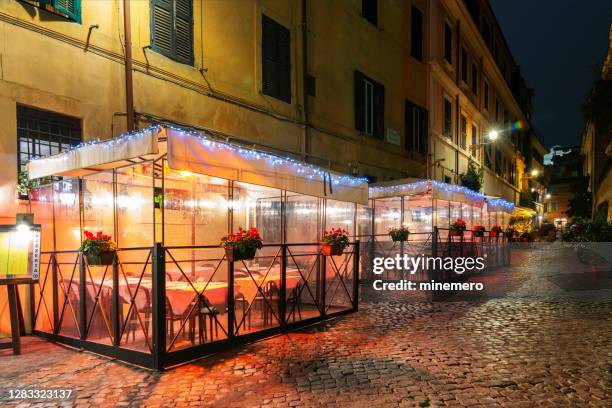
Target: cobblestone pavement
<point>539,336</point>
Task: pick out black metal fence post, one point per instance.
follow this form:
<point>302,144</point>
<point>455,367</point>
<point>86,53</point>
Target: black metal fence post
<point>283,287</point>
<point>356,263</point>
<point>55,295</point>
<point>115,299</point>
<point>434,252</point>
<point>159,306</point>
<point>82,298</point>
<point>323,284</point>
<point>231,300</point>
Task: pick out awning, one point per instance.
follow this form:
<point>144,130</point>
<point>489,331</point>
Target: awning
<point>191,151</point>
<point>499,204</point>
<point>438,190</point>
<point>95,156</point>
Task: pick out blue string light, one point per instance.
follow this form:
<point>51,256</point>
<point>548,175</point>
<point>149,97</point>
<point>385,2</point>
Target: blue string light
<point>308,170</point>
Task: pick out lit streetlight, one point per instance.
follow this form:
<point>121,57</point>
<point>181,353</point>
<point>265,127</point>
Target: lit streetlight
<point>534,172</point>
<point>493,135</point>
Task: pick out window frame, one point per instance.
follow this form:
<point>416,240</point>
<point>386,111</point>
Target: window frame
<point>448,43</point>
<point>416,47</point>
<point>447,125</point>
<point>365,12</point>
<point>283,84</point>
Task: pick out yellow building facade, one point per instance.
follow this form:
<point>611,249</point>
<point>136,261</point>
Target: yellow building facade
<point>366,79</point>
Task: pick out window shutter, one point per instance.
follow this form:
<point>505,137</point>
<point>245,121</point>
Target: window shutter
<point>71,8</point>
<point>359,101</point>
<point>379,110</point>
<point>269,57</point>
<point>284,63</point>
<point>423,130</point>
<point>183,40</point>
<point>162,26</point>
<point>409,126</point>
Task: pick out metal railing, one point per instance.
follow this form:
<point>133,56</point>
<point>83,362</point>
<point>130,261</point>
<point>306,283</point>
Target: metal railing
<point>163,305</point>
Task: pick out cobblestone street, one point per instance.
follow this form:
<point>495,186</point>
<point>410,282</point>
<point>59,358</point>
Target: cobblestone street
<point>537,337</point>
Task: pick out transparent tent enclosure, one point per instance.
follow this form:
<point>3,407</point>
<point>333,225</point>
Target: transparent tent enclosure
<point>425,207</point>
<point>171,295</point>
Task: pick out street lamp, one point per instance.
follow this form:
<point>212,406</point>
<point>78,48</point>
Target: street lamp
<point>548,196</point>
<point>534,173</point>
<point>491,136</point>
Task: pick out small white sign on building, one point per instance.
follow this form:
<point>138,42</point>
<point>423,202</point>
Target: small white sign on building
<point>393,136</point>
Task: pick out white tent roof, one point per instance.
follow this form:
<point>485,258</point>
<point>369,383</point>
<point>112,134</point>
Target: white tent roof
<point>192,151</point>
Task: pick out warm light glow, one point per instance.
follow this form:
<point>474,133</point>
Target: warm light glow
<point>23,228</point>
<point>185,173</point>
<point>548,196</point>
<point>534,172</point>
<point>493,135</point>
<point>532,190</point>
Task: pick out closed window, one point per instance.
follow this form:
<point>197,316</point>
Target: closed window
<point>416,128</point>
<point>369,106</point>
<point>369,11</point>
<point>172,29</point>
<point>276,60</point>
<point>416,29</point>
<point>448,43</point>
<point>70,9</point>
<point>474,79</point>
<point>448,118</point>
<point>42,133</point>
<point>464,65</point>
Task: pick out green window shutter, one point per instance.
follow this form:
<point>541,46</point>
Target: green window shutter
<point>275,59</point>
<point>172,29</point>
<point>359,97</point>
<point>70,8</point>
<point>183,30</point>
<point>162,23</point>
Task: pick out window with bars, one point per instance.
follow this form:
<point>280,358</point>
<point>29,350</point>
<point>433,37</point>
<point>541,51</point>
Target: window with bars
<point>172,29</point>
<point>42,133</point>
<point>276,59</point>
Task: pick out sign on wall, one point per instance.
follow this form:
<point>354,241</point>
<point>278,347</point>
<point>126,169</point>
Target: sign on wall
<point>393,136</point>
<point>19,253</point>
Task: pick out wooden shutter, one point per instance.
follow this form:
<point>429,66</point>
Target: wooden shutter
<point>410,126</point>
<point>359,95</point>
<point>284,63</point>
<point>70,8</point>
<point>423,130</point>
<point>416,33</point>
<point>183,30</point>
<point>379,110</point>
<point>162,26</point>
<point>276,59</point>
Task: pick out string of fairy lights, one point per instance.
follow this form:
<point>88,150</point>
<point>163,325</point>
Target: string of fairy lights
<point>422,186</point>
<point>309,171</point>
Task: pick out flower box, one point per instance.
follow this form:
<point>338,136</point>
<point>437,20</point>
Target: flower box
<point>242,245</point>
<point>332,250</point>
<point>101,258</point>
<point>454,233</point>
<point>242,254</point>
<point>334,241</point>
<point>399,234</point>
<point>99,248</point>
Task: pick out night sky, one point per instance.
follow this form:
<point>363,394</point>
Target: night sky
<point>560,46</point>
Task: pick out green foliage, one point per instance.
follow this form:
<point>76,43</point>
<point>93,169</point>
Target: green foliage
<point>336,237</point>
<point>521,224</point>
<point>584,231</point>
<point>24,184</point>
<point>472,178</point>
<point>243,240</point>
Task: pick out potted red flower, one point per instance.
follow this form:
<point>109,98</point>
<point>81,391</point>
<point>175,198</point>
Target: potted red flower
<point>99,248</point>
<point>334,241</point>
<point>242,245</point>
<point>457,228</point>
<point>496,230</point>
<point>399,234</point>
<point>478,231</point>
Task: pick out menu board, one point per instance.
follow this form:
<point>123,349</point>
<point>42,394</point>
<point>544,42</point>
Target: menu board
<point>19,253</point>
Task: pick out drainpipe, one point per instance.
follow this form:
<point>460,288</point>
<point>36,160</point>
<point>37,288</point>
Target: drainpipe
<point>457,114</point>
<point>129,84</point>
<point>306,147</point>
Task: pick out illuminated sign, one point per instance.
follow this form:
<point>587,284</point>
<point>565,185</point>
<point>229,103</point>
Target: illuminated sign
<point>19,253</point>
